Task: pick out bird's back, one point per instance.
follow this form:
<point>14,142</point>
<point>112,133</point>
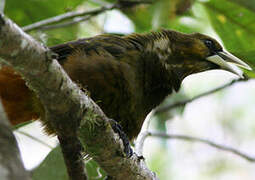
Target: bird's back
<point>103,65</point>
<point>106,67</point>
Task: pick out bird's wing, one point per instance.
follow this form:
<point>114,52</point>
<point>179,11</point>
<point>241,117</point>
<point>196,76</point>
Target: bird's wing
<point>115,45</point>
<point>64,50</point>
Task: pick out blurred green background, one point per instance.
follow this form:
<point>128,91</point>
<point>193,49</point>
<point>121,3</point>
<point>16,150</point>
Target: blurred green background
<point>225,117</point>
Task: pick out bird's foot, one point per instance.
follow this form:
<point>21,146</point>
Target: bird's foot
<point>119,130</point>
<point>141,157</point>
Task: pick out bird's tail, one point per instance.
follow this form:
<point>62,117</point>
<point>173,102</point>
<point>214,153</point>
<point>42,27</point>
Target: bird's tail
<point>20,103</point>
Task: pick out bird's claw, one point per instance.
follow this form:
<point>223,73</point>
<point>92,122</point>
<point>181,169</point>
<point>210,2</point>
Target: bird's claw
<point>119,130</point>
<point>141,157</point>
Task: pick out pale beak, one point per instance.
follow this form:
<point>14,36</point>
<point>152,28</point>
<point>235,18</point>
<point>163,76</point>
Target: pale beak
<point>226,61</point>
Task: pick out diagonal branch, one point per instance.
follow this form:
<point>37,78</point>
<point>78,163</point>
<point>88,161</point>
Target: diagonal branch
<point>67,16</point>
<point>67,23</point>
<point>200,140</point>
<point>183,103</point>
<point>68,110</point>
<point>76,17</point>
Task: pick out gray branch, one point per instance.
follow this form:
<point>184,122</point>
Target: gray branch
<point>11,166</point>
<point>183,103</point>
<point>201,140</point>
<point>78,16</point>
<point>67,23</point>
<point>66,16</point>
<point>67,109</point>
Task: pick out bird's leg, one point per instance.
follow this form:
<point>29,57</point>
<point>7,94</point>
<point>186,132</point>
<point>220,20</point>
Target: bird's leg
<point>119,130</point>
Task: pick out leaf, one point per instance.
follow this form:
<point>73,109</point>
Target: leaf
<point>29,11</point>
<point>62,35</point>
<point>94,171</point>
<point>165,14</point>
<point>53,168</point>
<point>153,16</point>
<point>141,17</point>
<point>235,26</point>
<point>249,4</point>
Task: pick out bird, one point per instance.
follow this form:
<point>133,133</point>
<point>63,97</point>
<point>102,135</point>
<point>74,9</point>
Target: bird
<point>127,76</point>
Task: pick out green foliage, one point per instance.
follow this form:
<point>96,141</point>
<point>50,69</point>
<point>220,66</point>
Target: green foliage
<point>159,162</point>
<point>247,4</point>
<point>233,22</point>
<point>30,11</point>
<point>148,17</point>
<point>53,168</point>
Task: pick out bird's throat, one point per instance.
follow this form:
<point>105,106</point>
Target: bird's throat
<point>157,79</point>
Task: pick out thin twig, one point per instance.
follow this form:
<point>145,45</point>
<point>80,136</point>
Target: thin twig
<point>66,16</point>
<point>140,142</point>
<point>131,3</point>
<point>143,134</point>
<point>21,124</point>
<point>84,15</point>
<point>68,23</point>
<point>205,141</point>
<point>99,2</point>
<point>183,103</point>
<point>34,138</point>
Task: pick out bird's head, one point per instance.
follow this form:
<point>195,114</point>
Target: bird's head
<point>193,53</point>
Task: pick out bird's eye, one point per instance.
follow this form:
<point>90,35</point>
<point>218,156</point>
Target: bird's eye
<point>209,44</point>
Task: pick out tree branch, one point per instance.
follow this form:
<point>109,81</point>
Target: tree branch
<point>67,23</point>
<point>67,16</point>
<point>67,109</point>
<point>11,165</point>
<point>200,140</point>
<point>143,134</point>
<point>76,16</point>
<point>183,103</point>
<point>72,152</point>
